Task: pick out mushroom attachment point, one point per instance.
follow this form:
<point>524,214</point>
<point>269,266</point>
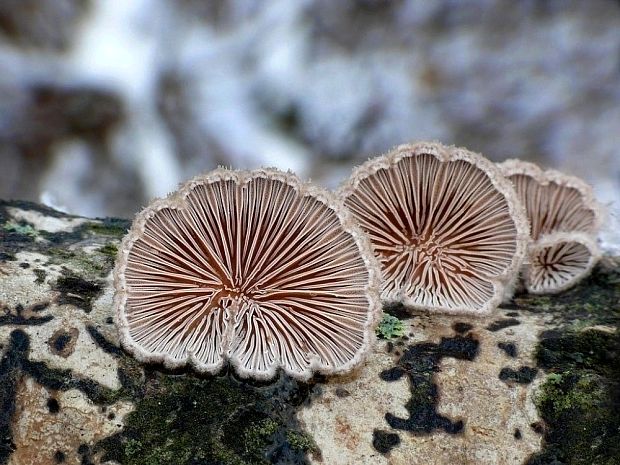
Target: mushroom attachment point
<point>253,267</point>
<point>564,217</point>
<point>445,225</point>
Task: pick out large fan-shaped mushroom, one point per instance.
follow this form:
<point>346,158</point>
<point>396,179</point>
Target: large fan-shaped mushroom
<point>564,218</point>
<point>254,267</point>
<point>445,225</point>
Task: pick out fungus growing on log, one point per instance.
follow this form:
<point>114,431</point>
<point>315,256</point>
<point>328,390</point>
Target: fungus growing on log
<point>254,267</point>
<point>445,225</point>
<point>558,261</point>
<point>564,217</point>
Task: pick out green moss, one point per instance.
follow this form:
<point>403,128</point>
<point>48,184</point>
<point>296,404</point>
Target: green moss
<point>184,420</point>
<point>595,301</point>
<point>89,265</point>
<point>108,227</point>
<point>580,399</point>
<point>390,327</point>
<point>301,441</point>
<point>110,250</point>
<point>24,229</point>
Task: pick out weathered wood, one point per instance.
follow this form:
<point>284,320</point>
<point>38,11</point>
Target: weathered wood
<point>536,382</point>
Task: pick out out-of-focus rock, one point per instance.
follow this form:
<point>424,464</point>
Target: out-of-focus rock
<point>46,25</point>
<point>534,384</point>
<point>314,86</point>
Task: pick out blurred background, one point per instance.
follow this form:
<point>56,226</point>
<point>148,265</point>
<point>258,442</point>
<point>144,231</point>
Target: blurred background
<point>107,104</point>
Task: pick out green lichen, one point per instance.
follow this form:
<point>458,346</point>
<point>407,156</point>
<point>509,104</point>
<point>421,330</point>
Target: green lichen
<point>108,227</point>
<point>390,327</point>
<point>184,420</point>
<point>301,441</point>
<point>109,250</point>
<point>580,398</point>
<point>18,228</point>
<point>89,265</point>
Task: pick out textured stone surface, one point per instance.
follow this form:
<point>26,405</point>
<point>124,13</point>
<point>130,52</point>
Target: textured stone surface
<point>536,383</point>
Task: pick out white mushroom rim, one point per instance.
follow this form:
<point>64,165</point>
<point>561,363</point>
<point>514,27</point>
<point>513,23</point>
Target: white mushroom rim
<point>254,267</point>
<point>446,226</point>
<point>558,261</point>
<point>553,201</point>
<point>559,207</point>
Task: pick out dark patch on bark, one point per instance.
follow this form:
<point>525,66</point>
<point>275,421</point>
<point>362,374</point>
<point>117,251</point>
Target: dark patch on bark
<point>579,400</point>
<point>397,310</point>
<point>62,342</point>
<point>461,328</point>
<point>59,456</point>
<point>517,434</point>
<point>40,275</point>
<point>236,421</point>
<point>524,375</point>
<point>21,316</point>
<point>419,363</point>
<point>102,342</point>
<point>10,376</point>
<point>77,291</point>
<point>504,323</point>
<point>384,441</point>
<point>53,406</point>
<point>509,348</point>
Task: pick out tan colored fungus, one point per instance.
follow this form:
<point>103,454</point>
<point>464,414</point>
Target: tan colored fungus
<point>254,267</point>
<point>565,218</point>
<point>444,223</point>
<point>558,261</point>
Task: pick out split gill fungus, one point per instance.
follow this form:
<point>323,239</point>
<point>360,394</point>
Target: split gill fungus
<point>446,226</point>
<point>256,268</point>
<point>565,218</point>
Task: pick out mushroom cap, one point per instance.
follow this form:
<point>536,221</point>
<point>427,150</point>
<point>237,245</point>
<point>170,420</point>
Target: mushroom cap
<point>554,201</point>
<point>564,217</point>
<point>254,267</point>
<point>444,223</point>
<point>558,261</point>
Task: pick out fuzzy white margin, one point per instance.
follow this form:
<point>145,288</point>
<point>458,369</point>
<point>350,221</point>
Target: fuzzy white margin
<point>176,200</point>
<point>549,240</point>
<point>502,282</point>
<point>543,177</point>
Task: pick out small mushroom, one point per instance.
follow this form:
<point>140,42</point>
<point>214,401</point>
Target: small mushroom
<point>254,267</point>
<point>445,225</point>
<point>564,217</point>
<point>558,261</point>
<point>554,201</point>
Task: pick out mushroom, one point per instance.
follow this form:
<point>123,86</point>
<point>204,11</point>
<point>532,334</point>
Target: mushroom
<point>558,261</point>
<point>445,225</point>
<point>565,218</point>
<point>254,267</point>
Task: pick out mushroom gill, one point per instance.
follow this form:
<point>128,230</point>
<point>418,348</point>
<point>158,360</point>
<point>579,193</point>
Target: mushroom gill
<point>564,217</point>
<point>558,261</point>
<point>254,267</point>
<point>445,225</point>
<point>554,202</point>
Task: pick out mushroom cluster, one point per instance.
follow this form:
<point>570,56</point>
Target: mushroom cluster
<point>256,268</point>
<point>444,223</point>
<point>266,272</point>
<point>564,217</point>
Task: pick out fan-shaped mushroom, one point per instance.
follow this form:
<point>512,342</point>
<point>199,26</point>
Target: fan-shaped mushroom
<point>558,261</point>
<point>255,267</point>
<point>564,217</point>
<point>445,225</point>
